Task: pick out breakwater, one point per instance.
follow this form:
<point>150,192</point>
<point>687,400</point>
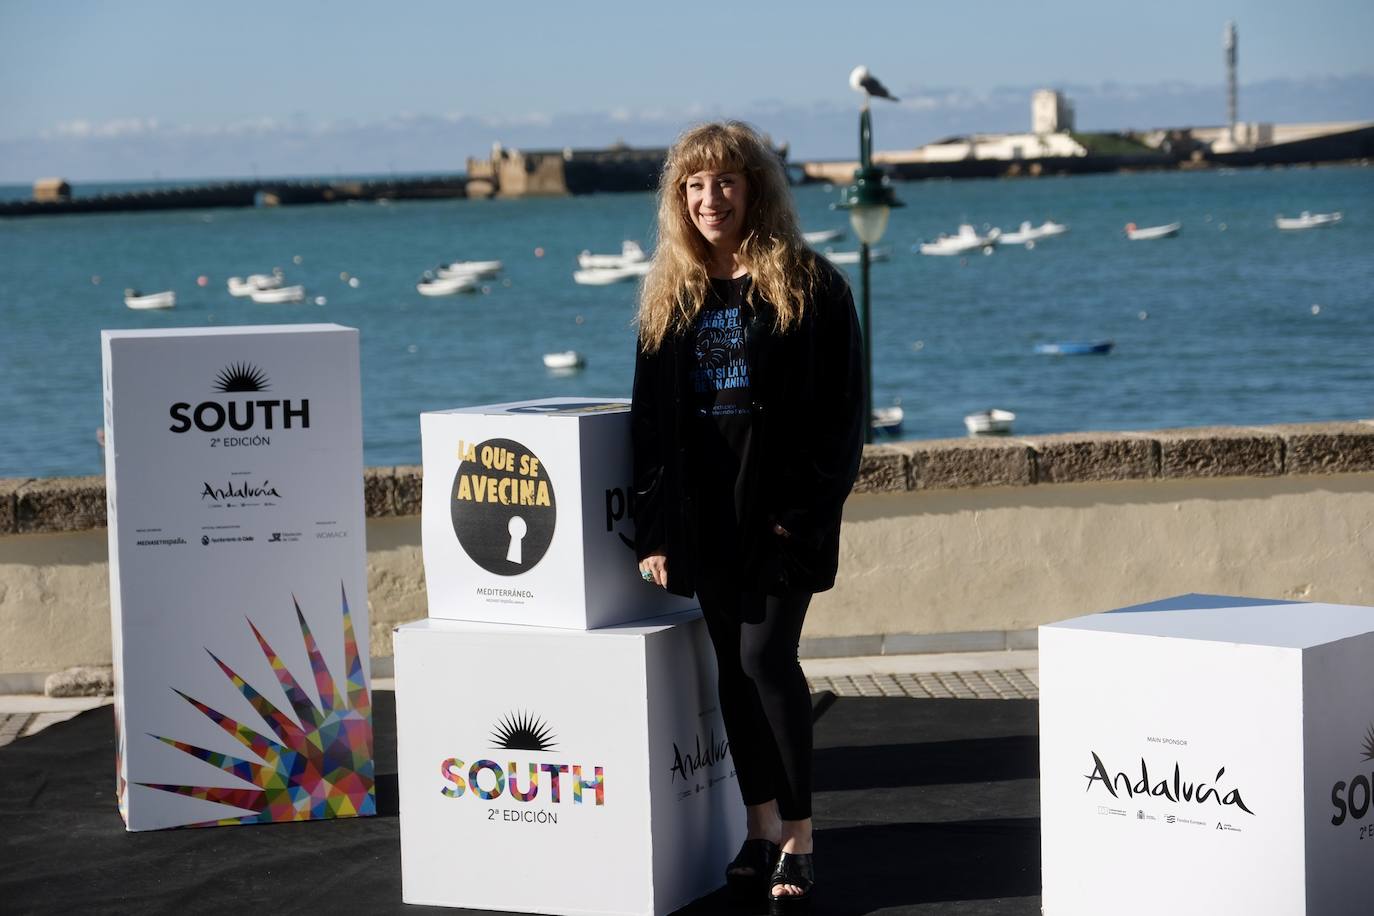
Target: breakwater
<point>245,194</point>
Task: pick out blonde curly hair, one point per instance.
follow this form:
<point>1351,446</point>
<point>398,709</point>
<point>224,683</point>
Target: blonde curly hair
<point>771,248</point>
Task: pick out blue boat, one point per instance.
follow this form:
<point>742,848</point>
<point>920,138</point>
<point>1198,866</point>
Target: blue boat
<point>1075,347</point>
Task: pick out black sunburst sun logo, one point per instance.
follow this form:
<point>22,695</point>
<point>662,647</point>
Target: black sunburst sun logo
<point>1369,744</point>
<point>522,732</point>
<point>241,377</point>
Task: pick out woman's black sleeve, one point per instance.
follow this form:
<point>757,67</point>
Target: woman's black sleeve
<point>646,406</point>
<point>818,479</point>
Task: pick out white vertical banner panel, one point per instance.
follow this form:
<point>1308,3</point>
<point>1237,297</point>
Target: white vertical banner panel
<point>238,574</point>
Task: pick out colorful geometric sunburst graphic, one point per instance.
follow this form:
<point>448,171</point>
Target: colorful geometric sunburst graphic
<point>320,764</point>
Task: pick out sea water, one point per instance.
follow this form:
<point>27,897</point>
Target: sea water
<point>1232,322</point>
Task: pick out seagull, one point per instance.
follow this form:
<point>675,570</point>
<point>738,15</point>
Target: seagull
<point>862,81</point>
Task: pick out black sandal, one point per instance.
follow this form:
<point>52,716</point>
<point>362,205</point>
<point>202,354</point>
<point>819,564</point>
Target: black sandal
<point>795,868</point>
<point>758,854</point>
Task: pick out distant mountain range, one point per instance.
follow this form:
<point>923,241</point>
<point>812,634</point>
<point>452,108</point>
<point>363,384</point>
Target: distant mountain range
<point>142,149</point>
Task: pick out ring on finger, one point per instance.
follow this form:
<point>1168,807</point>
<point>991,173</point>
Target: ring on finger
<point>646,575</point>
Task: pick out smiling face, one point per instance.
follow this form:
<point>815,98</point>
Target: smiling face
<point>716,203</point>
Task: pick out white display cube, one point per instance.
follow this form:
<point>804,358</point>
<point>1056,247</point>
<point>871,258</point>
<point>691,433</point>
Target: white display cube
<point>526,516</point>
<point>1208,755</point>
<point>559,771</point>
<point>238,574</point>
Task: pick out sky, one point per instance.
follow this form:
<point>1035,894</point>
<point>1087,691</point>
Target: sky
<point>147,89</point>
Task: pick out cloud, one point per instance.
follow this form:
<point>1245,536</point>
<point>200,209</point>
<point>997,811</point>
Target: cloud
<point>141,148</point>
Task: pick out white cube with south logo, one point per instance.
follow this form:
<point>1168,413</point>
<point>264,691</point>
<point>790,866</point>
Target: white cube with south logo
<point>549,770</point>
<point>526,515</point>
<point>1208,754</point>
<point>238,574</point>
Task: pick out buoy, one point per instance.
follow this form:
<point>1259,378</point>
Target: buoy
<point>1316,310</point>
<point>412,349</point>
<point>353,282</point>
<point>1143,315</point>
<point>343,275</point>
<point>918,346</point>
<point>296,259</point>
<point>95,279</point>
<point>202,280</point>
<point>320,300</point>
<point>539,252</point>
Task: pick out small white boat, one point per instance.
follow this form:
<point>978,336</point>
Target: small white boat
<point>821,236</point>
<point>137,300</point>
<point>1029,233</point>
<point>246,286</point>
<point>989,422</point>
<point>1308,220</point>
<point>447,286</point>
<point>887,420</point>
<point>566,359</point>
<point>630,253</point>
<point>279,295</point>
<point>604,276</point>
<point>1136,234</point>
<point>469,269</point>
<point>852,257</point>
<point>964,241</point>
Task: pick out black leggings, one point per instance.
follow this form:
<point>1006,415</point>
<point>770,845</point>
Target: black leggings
<point>764,699</point>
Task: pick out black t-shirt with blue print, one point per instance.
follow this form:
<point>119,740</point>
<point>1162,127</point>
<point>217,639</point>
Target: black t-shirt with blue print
<point>719,384</point>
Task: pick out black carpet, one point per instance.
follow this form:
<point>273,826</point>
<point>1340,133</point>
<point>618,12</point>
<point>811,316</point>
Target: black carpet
<point>921,806</point>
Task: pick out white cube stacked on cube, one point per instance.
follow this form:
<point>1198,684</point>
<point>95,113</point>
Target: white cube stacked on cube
<point>561,748</point>
<point>526,516</point>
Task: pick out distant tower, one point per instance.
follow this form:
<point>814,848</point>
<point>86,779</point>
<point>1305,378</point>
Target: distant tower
<point>1051,112</point>
<point>1228,42</point>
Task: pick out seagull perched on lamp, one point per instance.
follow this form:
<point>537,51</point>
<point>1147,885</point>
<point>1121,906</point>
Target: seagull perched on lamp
<point>860,80</point>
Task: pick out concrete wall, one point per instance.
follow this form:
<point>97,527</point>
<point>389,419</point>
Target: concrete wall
<point>957,544</point>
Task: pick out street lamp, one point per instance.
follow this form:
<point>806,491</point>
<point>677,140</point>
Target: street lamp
<point>869,201</point>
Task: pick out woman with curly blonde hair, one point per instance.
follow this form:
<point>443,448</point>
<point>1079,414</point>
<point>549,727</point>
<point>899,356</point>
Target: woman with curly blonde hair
<point>747,423</point>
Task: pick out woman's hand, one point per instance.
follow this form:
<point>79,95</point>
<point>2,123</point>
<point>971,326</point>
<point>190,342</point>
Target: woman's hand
<point>654,568</point>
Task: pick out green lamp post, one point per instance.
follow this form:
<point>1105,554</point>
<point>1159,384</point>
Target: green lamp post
<point>869,201</point>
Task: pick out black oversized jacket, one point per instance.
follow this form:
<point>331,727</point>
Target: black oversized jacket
<point>804,447</point>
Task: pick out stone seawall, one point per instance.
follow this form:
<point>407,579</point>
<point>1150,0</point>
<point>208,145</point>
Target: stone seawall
<point>54,504</point>
<point>959,544</point>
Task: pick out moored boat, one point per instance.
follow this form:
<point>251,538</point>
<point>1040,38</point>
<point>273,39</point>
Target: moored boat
<point>137,300</point>
<point>565,360</point>
<point>469,268</point>
<point>887,421</point>
<point>447,286</point>
<point>821,236</point>
<point>1075,347</point>
<point>604,276</point>
<point>246,286</point>
<point>630,253</point>
<point>279,295</point>
<point>1308,220</point>
<point>967,239</point>
<point>991,422</point>
<point>1028,233</point>
<point>1137,234</point>
<point>852,257</point>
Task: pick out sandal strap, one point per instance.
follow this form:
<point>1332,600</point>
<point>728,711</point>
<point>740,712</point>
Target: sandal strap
<point>795,868</point>
<point>759,854</point>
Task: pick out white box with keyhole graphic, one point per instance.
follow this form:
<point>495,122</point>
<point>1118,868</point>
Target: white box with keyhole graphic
<point>525,516</point>
<point>1208,754</point>
<point>562,771</point>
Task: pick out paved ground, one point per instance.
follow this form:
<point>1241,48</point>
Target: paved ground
<point>972,675</point>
